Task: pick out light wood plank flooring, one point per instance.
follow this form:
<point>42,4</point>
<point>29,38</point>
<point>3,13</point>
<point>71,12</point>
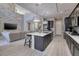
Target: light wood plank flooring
<point>58,47</point>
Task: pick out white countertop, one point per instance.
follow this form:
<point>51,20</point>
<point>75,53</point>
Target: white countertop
<point>75,38</point>
<point>39,33</point>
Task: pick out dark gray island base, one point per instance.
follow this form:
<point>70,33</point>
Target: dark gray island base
<point>41,42</point>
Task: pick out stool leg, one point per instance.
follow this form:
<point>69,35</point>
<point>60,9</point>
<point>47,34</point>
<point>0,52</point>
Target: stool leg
<point>29,43</point>
<point>25,42</point>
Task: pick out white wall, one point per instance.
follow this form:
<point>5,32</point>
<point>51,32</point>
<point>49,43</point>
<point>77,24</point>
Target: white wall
<point>58,25</point>
<point>7,15</point>
<point>1,27</point>
<point>29,17</point>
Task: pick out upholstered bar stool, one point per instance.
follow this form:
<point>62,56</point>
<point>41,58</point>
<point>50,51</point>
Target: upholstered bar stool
<point>27,40</point>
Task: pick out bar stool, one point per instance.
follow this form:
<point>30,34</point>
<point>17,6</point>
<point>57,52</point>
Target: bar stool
<point>27,40</point>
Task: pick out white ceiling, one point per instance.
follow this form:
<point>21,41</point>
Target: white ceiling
<point>49,9</point>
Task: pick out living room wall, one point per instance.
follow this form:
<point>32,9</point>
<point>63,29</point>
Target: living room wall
<point>8,15</point>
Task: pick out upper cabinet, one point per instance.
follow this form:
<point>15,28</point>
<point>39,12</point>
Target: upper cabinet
<point>73,19</point>
<point>75,16</point>
<point>48,23</point>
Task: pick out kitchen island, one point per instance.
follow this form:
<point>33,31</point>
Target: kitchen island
<point>40,40</point>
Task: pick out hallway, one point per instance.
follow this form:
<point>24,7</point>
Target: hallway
<point>58,47</point>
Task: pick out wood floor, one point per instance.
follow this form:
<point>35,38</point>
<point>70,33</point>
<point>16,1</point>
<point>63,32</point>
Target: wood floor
<point>58,47</point>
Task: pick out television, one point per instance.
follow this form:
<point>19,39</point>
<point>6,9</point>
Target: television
<point>9,26</point>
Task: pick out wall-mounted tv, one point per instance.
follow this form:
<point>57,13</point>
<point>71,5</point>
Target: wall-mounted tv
<point>9,26</point>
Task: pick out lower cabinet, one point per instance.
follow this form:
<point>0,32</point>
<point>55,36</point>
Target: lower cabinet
<point>41,43</point>
<point>76,50</point>
<point>67,40</point>
<point>73,45</point>
<point>72,48</point>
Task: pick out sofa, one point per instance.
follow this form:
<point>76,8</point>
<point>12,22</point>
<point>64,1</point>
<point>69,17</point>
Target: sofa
<point>16,36</point>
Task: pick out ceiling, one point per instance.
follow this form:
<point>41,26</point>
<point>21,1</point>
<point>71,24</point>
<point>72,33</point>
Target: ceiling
<point>49,9</point>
